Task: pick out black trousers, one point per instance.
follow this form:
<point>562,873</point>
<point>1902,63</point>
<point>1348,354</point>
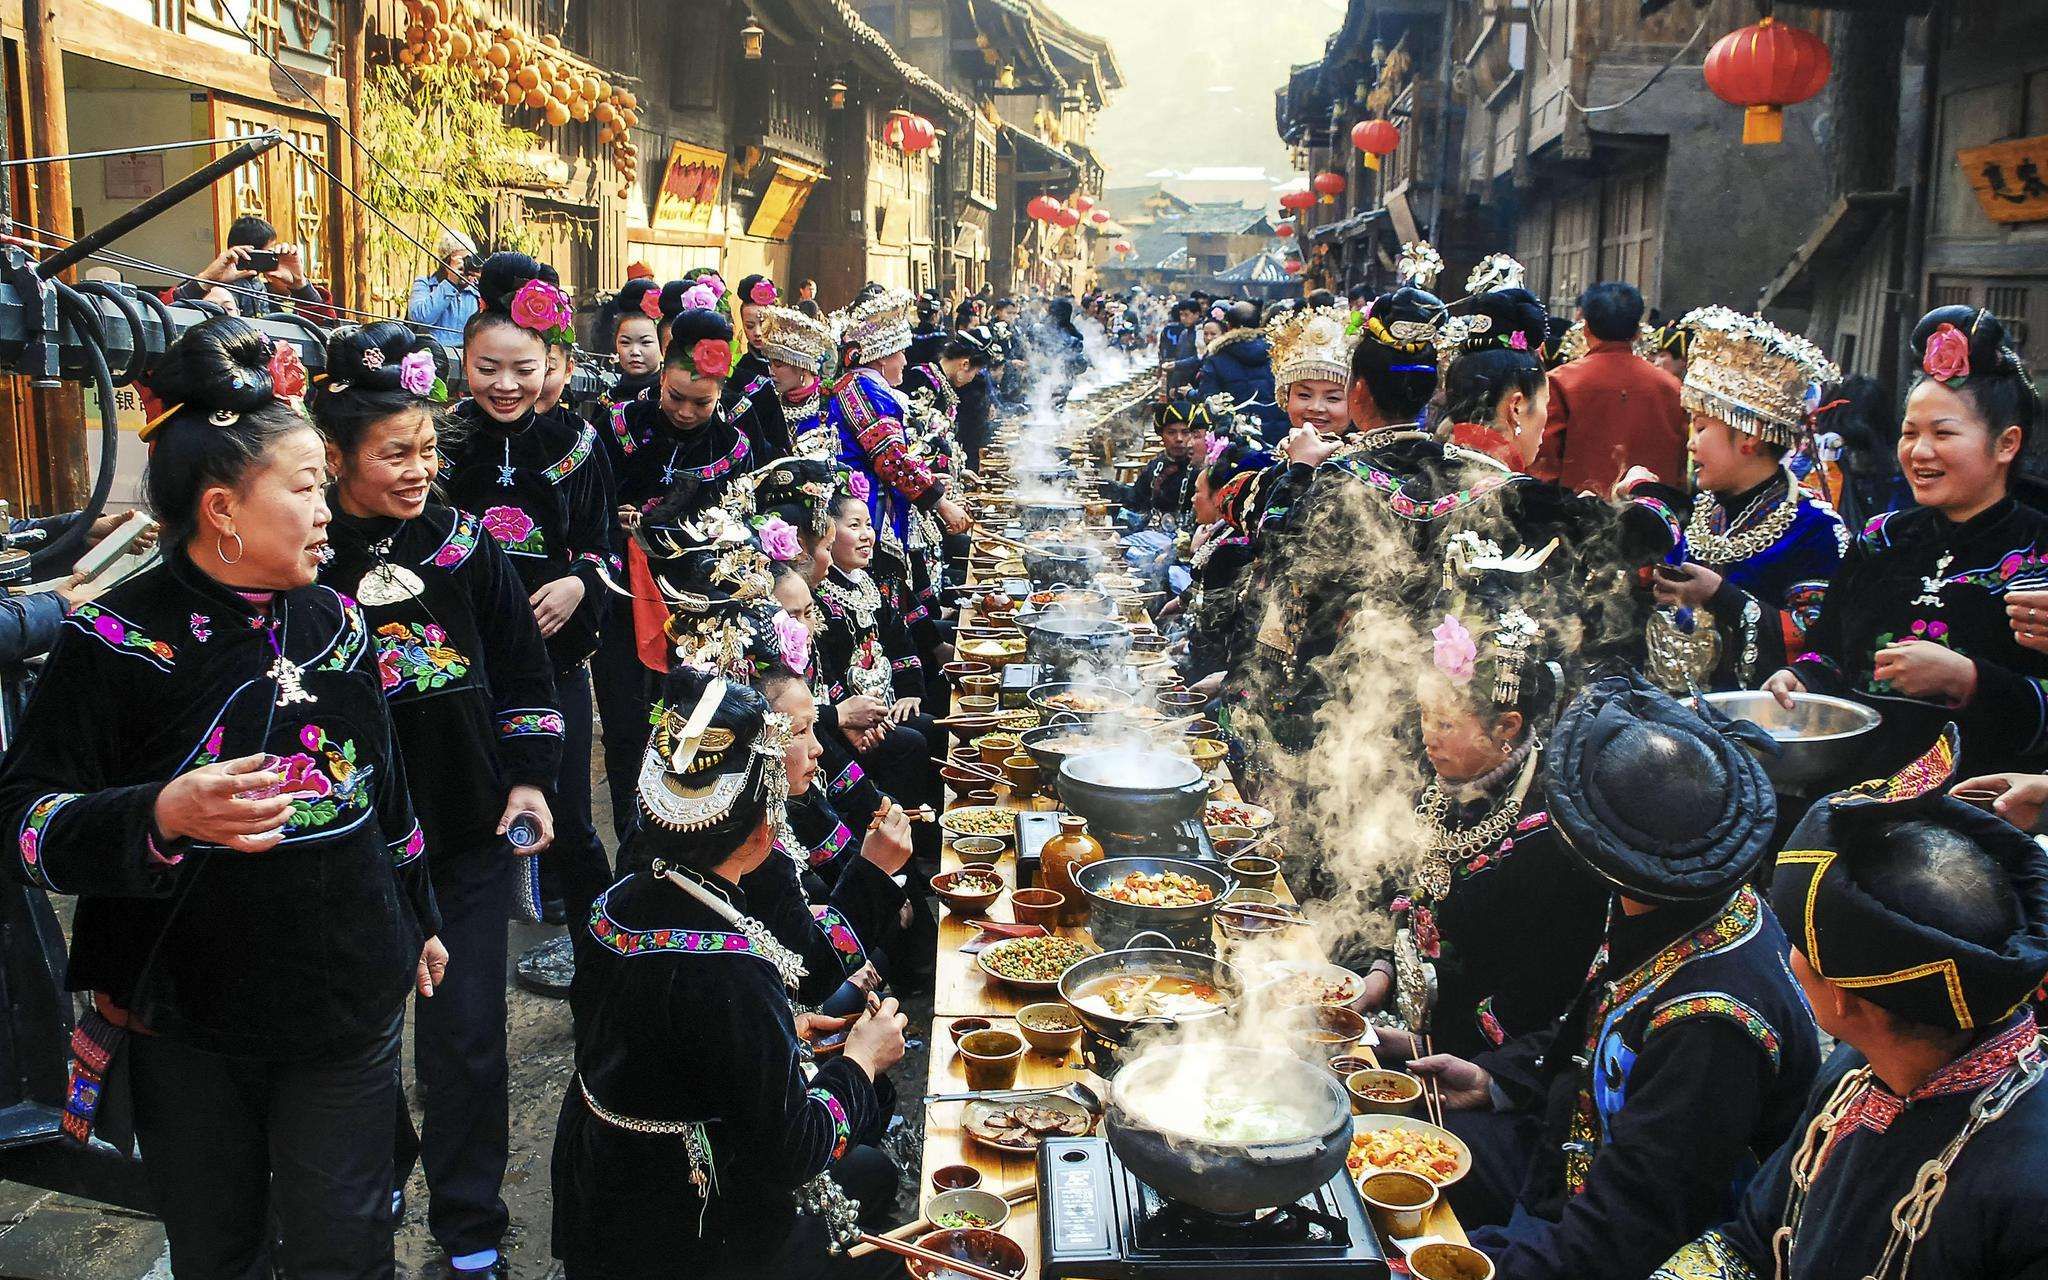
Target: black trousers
<point>228,1142</point>
<point>458,1053</point>
<point>581,867</point>
<point>625,690</point>
<point>902,765</point>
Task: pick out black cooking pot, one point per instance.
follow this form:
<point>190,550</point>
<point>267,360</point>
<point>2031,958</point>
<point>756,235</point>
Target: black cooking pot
<point>1145,961</point>
<point>1133,794</point>
<point>1064,641</point>
<point>1116,924</point>
<point>1115,702</point>
<point>1074,563</point>
<point>1217,1175</point>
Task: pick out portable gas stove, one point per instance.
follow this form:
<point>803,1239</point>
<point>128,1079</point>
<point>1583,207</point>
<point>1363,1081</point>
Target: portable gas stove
<point>1188,840</point>
<point>1097,1221</point>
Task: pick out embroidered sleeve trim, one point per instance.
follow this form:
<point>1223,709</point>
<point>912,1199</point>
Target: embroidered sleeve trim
<point>407,851</point>
<point>1710,1257</point>
<point>1715,1004</point>
<point>577,455</point>
<point>34,833</point>
<point>121,635</point>
<point>621,432</point>
<point>526,721</point>
<point>848,779</point>
<point>632,942</point>
<point>838,931</point>
<point>842,1128</point>
<point>349,642</point>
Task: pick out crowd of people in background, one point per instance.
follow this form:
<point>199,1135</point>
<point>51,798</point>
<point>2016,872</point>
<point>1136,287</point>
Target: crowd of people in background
<point>392,629</point>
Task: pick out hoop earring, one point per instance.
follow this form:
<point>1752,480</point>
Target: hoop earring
<point>220,548</point>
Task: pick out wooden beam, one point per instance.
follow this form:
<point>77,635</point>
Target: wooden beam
<point>57,465</point>
<point>352,280</point>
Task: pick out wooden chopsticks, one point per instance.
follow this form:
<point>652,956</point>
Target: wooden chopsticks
<point>911,1231</point>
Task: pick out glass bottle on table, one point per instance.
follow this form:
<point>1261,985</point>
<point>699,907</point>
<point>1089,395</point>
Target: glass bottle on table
<point>1067,852</point>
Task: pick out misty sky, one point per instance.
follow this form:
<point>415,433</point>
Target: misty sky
<point>1200,76</point>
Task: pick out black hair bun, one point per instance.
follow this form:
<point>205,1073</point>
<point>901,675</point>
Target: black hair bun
<point>1405,305</point>
<point>1511,313</point>
<point>627,300</point>
<point>368,357</point>
<point>220,365</point>
<point>672,298</point>
<point>697,325</point>
<point>504,274</point>
<point>1988,350</point>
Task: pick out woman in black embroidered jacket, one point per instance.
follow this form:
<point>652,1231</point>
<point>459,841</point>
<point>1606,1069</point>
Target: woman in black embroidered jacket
<point>695,1133</point>
<point>466,672</point>
<point>209,765</point>
<point>539,485</point>
<point>1915,623</point>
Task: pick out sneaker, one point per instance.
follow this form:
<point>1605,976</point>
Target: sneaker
<point>496,1269</point>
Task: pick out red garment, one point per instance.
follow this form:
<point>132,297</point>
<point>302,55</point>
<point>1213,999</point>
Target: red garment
<point>1481,438</point>
<point>1611,410</point>
<point>650,634</point>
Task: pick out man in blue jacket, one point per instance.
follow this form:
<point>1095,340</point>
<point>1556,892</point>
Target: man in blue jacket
<point>1240,366</point>
<point>443,302</point>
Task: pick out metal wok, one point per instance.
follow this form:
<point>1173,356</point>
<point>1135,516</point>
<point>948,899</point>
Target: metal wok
<point>1117,924</point>
<point>1133,794</point>
<point>1146,961</point>
<point>1223,1176</point>
<point>1073,563</point>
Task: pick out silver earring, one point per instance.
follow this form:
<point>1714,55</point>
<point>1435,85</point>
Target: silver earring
<point>220,548</point>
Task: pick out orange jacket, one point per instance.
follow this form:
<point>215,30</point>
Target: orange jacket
<point>1611,410</point>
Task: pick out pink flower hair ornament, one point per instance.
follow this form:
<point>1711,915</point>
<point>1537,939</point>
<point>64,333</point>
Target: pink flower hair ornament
<point>763,293</point>
<point>701,297</point>
<point>288,380</point>
<point>417,375</point>
<point>794,639</point>
<point>1947,357</point>
<point>779,539</point>
<point>544,309</point>
<point>1453,651</point>
<point>711,358</point>
<point>857,485</point>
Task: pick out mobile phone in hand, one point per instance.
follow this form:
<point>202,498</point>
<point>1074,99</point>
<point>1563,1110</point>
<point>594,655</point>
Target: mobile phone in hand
<point>261,260</point>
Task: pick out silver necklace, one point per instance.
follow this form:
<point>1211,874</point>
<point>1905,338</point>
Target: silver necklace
<point>1446,847</point>
<point>505,470</point>
<point>1709,548</point>
<point>759,939</point>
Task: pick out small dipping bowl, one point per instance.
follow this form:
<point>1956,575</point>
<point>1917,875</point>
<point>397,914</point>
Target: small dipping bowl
<point>975,704</point>
<point>986,1205</point>
<point>960,782</point>
<point>1446,1261</point>
<point>983,795</point>
<point>967,903</point>
<point>967,1027</point>
<point>960,672</point>
<point>1346,1064</point>
<point>1207,752</point>
<point>990,1058</point>
<point>1022,771</point>
<point>1358,1083</point>
<point>1243,896</point>
<point>1179,702</point>
<point>1051,1028</point>
<point>1035,906</point>
<point>996,748</point>
<point>1978,797</point>
<point>979,849</point>
<point>1324,1031</point>
<point>990,1250</point>
<point>955,1177</point>
<point>1254,871</point>
<point>983,686</point>
<point>1399,1201</point>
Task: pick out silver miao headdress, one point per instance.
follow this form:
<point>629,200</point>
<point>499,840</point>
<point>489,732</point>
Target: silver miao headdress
<point>1419,264</point>
<point>1495,271</point>
<point>877,327</point>
<point>686,781</point>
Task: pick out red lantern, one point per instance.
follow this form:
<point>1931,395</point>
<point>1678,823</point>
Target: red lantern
<point>1329,184</point>
<point>1099,218</point>
<point>1285,231</point>
<point>1292,266</point>
<point>1297,200</point>
<point>1375,138</point>
<point>915,133</point>
<point>1083,203</point>
<point>1042,208</point>
<point>1123,248</point>
<point>894,132</point>
<point>1766,68</point>
<point>1066,217</point>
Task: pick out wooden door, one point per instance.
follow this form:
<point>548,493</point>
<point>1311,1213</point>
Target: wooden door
<point>285,186</point>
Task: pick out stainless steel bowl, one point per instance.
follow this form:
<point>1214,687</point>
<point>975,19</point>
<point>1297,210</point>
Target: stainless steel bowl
<point>1821,738</point>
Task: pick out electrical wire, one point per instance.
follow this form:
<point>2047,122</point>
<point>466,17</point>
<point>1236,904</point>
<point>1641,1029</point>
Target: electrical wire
<point>359,198</point>
<point>129,151</point>
<point>1565,81</point>
<point>350,134</point>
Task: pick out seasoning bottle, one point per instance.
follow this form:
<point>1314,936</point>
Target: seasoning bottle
<point>1067,852</point>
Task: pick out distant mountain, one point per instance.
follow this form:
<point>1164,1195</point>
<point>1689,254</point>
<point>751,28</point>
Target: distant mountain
<point>1201,76</point>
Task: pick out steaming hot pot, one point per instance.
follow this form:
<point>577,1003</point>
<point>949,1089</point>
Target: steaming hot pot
<point>1133,796</point>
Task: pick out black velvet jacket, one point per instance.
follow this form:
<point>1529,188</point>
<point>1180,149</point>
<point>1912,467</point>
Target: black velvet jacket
<point>277,955</point>
<point>648,455</point>
<point>543,490</point>
<point>683,1023</point>
<point>461,662</point>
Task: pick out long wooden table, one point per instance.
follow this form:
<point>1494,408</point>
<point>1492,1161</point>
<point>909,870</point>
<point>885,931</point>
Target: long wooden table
<point>962,990</point>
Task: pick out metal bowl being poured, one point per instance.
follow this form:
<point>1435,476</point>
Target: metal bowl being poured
<point>1820,739</point>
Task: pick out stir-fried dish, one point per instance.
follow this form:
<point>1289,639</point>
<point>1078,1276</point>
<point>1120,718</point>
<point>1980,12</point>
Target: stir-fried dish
<point>1034,959</point>
<point>1408,1149</point>
<point>1158,889</point>
<point>1134,995</point>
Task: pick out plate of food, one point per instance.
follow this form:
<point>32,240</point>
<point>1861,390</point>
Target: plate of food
<point>1380,1143</point>
<point>1021,1126</point>
<point>979,820</point>
<point>1301,982</point>
<point>1032,964</point>
<point>1158,889</point>
<point>1236,813</point>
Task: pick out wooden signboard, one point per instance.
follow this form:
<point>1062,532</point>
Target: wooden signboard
<point>788,191</point>
<point>691,187</point>
<point>2010,178</point>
